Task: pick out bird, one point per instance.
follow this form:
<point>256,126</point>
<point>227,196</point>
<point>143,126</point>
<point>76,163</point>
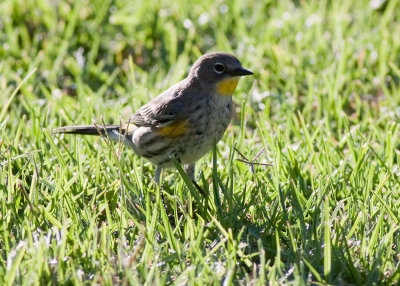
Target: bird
<point>182,122</point>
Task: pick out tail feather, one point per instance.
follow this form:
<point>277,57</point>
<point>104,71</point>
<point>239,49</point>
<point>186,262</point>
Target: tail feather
<point>99,130</point>
<point>114,132</point>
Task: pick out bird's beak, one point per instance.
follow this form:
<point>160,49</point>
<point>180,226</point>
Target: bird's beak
<point>240,72</point>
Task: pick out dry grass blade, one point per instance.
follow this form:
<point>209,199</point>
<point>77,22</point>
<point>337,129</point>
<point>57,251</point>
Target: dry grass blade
<point>252,162</point>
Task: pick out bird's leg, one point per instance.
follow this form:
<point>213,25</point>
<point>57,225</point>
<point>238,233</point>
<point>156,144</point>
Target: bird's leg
<point>157,175</point>
<point>189,170</point>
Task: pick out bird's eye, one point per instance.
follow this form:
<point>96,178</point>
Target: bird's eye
<point>219,68</point>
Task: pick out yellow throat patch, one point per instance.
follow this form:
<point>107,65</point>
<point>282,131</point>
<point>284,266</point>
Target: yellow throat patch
<point>227,86</point>
<point>175,129</point>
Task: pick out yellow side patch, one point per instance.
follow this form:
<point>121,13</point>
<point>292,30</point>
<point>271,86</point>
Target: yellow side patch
<point>129,126</point>
<point>228,86</point>
<point>175,129</point>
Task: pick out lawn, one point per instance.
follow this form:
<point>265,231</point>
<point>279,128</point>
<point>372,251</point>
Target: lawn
<point>324,103</point>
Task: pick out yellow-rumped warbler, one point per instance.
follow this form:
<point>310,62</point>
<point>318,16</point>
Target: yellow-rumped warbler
<point>184,120</point>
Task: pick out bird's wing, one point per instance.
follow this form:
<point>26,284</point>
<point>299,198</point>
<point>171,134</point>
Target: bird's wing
<point>160,112</point>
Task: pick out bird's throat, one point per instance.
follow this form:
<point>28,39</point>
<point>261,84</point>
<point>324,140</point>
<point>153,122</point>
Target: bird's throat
<point>227,86</point>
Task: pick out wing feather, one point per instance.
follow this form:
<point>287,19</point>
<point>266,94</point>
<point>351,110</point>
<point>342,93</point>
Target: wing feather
<point>160,112</point>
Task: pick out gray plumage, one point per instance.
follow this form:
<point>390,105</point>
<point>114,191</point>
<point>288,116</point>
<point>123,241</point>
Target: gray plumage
<point>183,121</point>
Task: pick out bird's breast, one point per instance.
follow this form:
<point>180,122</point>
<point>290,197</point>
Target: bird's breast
<point>218,116</point>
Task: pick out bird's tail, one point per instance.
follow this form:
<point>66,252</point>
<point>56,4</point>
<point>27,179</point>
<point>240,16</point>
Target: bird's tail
<point>114,131</point>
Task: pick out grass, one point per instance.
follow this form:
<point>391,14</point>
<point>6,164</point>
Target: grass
<point>324,102</point>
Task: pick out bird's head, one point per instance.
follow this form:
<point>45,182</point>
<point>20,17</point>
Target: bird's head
<point>219,71</point>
